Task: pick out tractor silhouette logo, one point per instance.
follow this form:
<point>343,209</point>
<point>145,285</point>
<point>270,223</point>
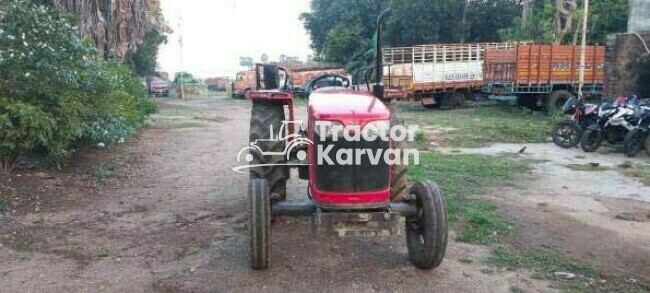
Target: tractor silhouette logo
<point>292,142</point>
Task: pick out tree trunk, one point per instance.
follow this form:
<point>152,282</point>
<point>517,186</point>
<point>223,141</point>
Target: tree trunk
<point>525,13</point>
<point>116,26</point>
<point>566,14</point>
<point>463,23</point>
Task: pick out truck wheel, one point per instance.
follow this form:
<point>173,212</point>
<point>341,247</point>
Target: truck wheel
<point>426,233</point>
<point>430,106</point>
<point>259,223</point>
<point>591,140</point>
<point>263,117</point>
<point>446,101</point>
<point>557,99</point>
<point>458,100</point>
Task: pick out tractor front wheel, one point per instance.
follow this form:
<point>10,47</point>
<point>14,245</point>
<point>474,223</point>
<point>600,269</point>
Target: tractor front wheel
<point>426,232</point>
<point>259,223</point>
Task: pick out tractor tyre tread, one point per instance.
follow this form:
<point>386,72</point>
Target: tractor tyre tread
<point>259,225</point>
<point>427,243</point>
<point>263,116</point>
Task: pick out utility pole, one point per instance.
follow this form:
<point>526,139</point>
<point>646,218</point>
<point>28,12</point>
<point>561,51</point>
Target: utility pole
<point>180,50</point>
<point>584,50</point>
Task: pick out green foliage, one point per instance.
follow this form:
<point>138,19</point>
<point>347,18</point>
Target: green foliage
<point>143,60</point>
<point>341,30</point>
<point>102,173</point>
<point>605,17</point>
<point>461,178</point>
<point>53,92</point>
<point>539,28</point>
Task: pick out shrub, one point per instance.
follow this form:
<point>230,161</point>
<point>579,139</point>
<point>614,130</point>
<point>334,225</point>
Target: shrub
<point>54,93</point>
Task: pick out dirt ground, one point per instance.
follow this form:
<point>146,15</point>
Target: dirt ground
<point>173,220</point>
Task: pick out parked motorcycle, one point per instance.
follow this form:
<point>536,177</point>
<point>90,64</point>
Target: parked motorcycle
<point>567,133</point>
<point>635,140</point>
<point>615,120</point>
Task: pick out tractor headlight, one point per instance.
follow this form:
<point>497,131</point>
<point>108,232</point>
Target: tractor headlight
<point>377,129</point>
<point>328,129</point>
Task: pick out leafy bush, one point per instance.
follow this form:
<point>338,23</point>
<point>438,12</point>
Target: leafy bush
<point>54,93</point>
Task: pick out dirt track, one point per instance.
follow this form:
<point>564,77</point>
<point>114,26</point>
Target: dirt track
<point>177,224</point>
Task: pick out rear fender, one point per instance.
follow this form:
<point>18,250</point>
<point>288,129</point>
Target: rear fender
<point>271,96</point>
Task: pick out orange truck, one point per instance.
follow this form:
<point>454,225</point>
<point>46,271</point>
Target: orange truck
<point>218,83</point>
<point>244,82</point>
<point>299,79</point>
<point>542,75</point>
<point>438,75</point>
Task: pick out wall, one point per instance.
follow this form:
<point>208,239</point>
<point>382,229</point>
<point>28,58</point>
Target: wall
<point>621,50</point>
<point>639,20</point>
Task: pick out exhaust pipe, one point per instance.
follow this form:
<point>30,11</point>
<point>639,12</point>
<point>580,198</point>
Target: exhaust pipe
<point>378,89</point>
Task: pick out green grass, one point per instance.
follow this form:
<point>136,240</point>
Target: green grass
<point>188,124</point>
<point>588,168</point>
<point>479,127</point>
<point>103,253</point>
<point>544,263</point>
<point>3,205</point>
<point>461,178</point>
<point>639,171</point>
<point>175,110</point>
<point>102,173</point>
<point>465,260</point>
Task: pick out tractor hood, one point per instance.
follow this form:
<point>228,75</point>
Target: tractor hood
<point>346,106</point>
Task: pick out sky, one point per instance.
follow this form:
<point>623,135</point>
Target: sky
<point>216,33</point>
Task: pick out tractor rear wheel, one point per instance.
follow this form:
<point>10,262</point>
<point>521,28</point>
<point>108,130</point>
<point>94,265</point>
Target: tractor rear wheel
<point>264,116</point>
<point>426,232</point>
<point>400,178</point>
<point>259,223</point>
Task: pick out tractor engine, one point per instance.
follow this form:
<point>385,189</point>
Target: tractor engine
<point>347,169</point>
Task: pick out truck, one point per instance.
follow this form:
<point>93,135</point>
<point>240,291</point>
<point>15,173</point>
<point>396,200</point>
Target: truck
<point>542,76</point>
<point>217,83</point>
<point>443,75</point>
<point>302,77</point>
<point>244,82</point>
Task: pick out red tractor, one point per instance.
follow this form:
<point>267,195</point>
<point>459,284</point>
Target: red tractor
<point>368,198</point>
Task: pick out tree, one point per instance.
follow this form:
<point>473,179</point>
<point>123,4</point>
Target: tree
<point>341,30</point>
<point>54,92</point>
<point>264,58</point>
<point>563,21</point>
<point>246,62</point>
<point>143,60</point>
<point>548,21</point>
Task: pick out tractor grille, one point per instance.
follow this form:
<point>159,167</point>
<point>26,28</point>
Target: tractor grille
<point>365,176</point>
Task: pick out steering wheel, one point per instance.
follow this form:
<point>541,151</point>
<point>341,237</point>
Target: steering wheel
<point>330,80</point>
